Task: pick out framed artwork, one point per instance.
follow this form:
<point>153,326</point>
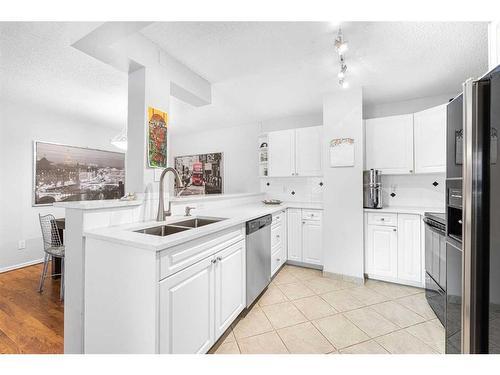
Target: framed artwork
<point>342,152</point>
<point>157,138</point>
<point>201,174</point>
<point>68,173</point>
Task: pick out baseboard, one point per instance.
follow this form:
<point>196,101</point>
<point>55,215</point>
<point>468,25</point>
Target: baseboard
<point>339,276</point>
<point>21,265</point>
<point>302,264</point>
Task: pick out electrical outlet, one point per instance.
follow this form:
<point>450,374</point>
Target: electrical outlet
<point>21,245</point>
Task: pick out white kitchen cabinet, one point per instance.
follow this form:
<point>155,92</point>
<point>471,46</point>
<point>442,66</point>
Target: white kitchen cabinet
<point>381,251</point>
<point>230,286</point>
<point>308,151</point>
<point>198,303</point>
<point>389,144</point>
<point>393,248</point>
<point>312,247</point>
<point>295,152</point>
<point>278,241</point>
<point>281,153</point>
<point>294,234</point>
<point>304,239</point>
<point>430,140</point>
<point>187,310</point>
<point>409,248</point>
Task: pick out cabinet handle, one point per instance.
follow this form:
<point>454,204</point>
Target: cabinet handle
<point>382,219</point>
<point>394,230</point>
<point>278,259</point>
<point>219,259</point>
<point>303,222</point>
<point>411,170</point>
<point>277,236</point>
<point>214,261</point>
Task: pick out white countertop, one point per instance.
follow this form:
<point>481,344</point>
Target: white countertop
<point>236,215</point>
<point>406,210</point>
<point>98,204</point>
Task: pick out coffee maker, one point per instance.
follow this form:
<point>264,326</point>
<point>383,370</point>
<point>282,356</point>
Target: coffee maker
<point>372,188</point>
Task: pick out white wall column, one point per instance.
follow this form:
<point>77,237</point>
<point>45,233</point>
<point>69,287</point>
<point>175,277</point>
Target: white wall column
<point>343,195</point>
<point>147,87</point>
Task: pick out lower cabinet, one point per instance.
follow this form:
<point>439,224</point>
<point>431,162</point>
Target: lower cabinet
<point>304,238</point>
<point>278,241</point>
<point>381,251</point>
<point>199,303</point>
<point>393,248</point>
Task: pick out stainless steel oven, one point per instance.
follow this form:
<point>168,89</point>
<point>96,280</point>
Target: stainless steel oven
<point>435,263</point>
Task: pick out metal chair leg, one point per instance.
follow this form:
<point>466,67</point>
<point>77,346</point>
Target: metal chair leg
<point>61,296</point>
<point>44,272</point>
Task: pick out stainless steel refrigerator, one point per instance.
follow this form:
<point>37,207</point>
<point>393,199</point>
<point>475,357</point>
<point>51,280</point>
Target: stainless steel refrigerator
<point>481,215</point>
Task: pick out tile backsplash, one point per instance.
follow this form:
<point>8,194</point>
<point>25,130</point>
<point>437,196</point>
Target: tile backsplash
<point>298,189</point>
<point>414,190</point>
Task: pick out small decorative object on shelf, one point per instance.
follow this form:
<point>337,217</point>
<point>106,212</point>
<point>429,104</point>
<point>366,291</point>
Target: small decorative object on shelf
<point>272,201</point>
<point>129,197</point>
<point>263,145</point>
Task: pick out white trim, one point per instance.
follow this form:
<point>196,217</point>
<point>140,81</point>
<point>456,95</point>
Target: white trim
<point>21,265</point>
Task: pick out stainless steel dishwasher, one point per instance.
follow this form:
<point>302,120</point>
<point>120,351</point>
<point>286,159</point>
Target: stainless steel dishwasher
<point>258,247</point>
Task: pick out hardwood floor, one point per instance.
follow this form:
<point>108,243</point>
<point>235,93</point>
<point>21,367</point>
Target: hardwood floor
<point>30,322</point>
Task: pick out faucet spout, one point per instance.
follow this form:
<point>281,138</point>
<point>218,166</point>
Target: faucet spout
<point>161,207</point>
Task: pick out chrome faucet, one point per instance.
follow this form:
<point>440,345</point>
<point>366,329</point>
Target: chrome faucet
<point>178,183</point>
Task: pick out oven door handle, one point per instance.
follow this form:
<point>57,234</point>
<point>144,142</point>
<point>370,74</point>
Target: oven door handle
<point>433,228</point>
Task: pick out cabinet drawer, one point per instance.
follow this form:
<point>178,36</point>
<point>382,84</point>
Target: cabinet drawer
<point>181,256</point>
<point>276,260</point>
<point>278,218</point>
<point>312,214</point>
<point>276,235</point>
<point>382,219</point>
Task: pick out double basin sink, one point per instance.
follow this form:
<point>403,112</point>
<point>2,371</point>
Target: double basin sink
<point>179,226</point>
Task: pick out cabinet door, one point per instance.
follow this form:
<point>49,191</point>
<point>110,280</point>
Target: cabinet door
<point>312,249</point>
<point>430,140</point>
<point>187,310</point>
<point>308,151</point>
<point>230,286</point>
<point>281,153</point>
<point>294,234</point>
<point>389,144</point>
<point>382,251</point>
<point>409,248</point>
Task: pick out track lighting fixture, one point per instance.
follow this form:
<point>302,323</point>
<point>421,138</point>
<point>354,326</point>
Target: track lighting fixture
<point>340,43</point>
<point>341,46</point>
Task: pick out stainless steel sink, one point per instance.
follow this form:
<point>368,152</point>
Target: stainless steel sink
<point>162,230</point>
<point>179,226</point>
<point>197,222</point>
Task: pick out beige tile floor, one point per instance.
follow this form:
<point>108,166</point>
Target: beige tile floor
<point>304,312</point>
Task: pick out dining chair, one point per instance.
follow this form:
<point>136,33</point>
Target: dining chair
<point>53,248</point>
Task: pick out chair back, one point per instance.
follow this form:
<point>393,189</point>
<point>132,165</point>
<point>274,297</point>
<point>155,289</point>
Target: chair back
<point>50,233</point>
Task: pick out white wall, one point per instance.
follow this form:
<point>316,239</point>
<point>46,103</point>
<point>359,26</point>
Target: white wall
<point>239,145</point>
<point>404,107</point>
<point>21,123</point>
<point>292,122</point>
<point>343,195</point>
<point>493,44</point>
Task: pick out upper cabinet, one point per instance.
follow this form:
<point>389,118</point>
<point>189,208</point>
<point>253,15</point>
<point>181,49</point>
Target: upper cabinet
<point>308,151</point>
<point>295,152</point>
<point>429,128</point>
<point>389,144</point>
<point>414,143</point>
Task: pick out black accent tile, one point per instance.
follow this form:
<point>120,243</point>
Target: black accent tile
<point>393,195</point>
<point>435,183</point>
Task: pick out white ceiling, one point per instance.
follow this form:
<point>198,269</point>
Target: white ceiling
<point>263,70</point>
<point>39,67</point>
<point>259,70</point>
